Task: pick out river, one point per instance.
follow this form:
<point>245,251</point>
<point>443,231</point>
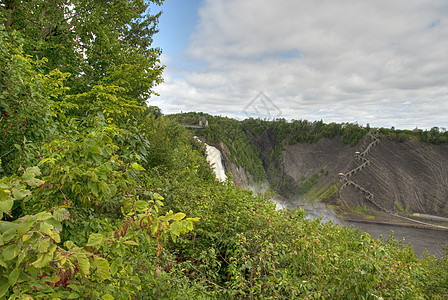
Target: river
<point>434,241</point>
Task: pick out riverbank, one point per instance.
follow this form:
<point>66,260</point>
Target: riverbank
<point>422,238</point>
<point>378,217</point>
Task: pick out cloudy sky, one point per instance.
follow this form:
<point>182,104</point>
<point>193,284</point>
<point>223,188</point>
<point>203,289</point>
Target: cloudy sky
<point>380,62</point>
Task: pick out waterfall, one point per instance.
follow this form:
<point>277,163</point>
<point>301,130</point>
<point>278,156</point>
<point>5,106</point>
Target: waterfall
<point>214,158</point>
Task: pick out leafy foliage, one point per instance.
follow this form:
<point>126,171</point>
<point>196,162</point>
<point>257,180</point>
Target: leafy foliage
<point>102,197</point>
<point>24,102</point>
<point>435,136</point>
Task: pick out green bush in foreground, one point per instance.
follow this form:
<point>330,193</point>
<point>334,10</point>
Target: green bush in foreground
<point>243,248</point>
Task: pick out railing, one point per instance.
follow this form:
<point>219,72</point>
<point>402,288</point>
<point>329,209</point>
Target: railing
<point>201,125</point>
<point>365,162</point>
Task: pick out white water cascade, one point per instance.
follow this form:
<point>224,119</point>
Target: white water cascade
<point>214,158</point>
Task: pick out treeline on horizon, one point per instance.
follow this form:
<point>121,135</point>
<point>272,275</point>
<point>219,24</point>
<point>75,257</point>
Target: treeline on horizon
<point>304,131</point>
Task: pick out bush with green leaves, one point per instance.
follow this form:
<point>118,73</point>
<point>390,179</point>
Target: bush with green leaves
<point>37,262</point>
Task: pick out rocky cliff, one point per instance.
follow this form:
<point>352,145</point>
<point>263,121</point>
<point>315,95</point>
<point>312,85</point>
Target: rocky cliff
<point>240,177</point>
<point>380,174</point>
<point>404,176</point>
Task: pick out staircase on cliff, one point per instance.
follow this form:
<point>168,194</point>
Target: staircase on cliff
<point>361,157</point>
<point>369,196</point>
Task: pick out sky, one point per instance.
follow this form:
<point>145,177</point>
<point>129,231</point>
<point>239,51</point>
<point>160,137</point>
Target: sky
<point>377,62</point>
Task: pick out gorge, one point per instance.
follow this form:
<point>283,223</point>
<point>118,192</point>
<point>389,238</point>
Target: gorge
<point>379,185</point>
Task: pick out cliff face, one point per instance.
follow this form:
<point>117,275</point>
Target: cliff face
<point>327,158</point>
<point>405,176</point>
<point>402,176</point>
<point>240,177</point>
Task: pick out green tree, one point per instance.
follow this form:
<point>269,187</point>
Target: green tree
<point>25,102</point>
<point>97,42</point>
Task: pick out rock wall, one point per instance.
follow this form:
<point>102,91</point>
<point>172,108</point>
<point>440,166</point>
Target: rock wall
<point>398,176</point>
<point>406,175</point>
<point>240,177</point>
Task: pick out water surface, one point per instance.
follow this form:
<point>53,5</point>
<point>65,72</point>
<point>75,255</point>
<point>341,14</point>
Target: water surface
<point>434,241</point>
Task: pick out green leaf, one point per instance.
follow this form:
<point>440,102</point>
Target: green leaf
<point>121,250</point>
<point>93,187</point>
<point>4,286</point>
<point>42,260</point>
<point>52,249</point>
<point>154,228</point>
<point>95,240</point>
<point>193,219</point>
<point>73,295</point>
<point>179,216</point>
<point>94,149</point>
<point>4,194</point>
<point>30,176</point>
<point>132,243</point>
<point>23,227</point>
<point>54,235</point>
<point>5,206</point>
<point>175,228</point>
<point>43,245</point>
<point>135,281</point>
<point>48,160</point>
<point>102,266</point>
<point>61,214</point>
<point>9,233</point>
<point>107,297</point>
<point>100,114</point>
<point>69,245</point>
<point>45,227</point>
<point>20,194</point>
<point>21,258</point>
<point>48,229</point>
<point>173,236</point>
<point>190,226</point>
<point>43,216</point>
<point>137,167</point>
<point>10,252</point>
<point>31,172</point>
<point>84,264</point>
<point>3,264</point>
<point>141,205</point>
<point>13,276</point>
<point>114,268</point>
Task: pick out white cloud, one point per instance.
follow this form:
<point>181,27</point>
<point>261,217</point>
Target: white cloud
<point>380,62</point>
